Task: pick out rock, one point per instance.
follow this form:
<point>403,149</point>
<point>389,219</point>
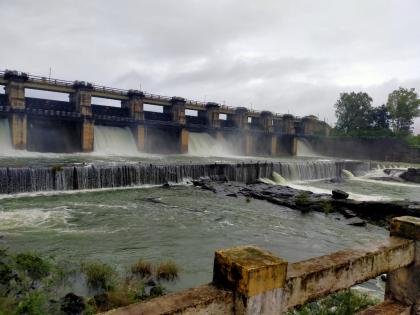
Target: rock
<point>232,195</point>
<point>412,175</point>
<point>348,213</point>
<point>208,187</point>
<point>72,304</point>
<point>151,283</point>
<point>356,222</point>
<point>339,194</point>
<point>166,185</point>
<point>384,277</point>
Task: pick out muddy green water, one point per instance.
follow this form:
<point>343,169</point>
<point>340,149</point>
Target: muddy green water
<point>183,223</point>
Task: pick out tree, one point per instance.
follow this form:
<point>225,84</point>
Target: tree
<point>380,118</point>
<point>403,106</point>
<point>353,111</point>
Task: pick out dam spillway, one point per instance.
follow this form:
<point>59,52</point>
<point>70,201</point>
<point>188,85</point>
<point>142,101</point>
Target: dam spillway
<point>95,176</point>
<point>48,125</point>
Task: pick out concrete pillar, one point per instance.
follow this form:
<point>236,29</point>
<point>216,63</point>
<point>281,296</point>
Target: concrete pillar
<point>273,144</point>
<point>19,130</point>
<point>403,285</point>
<point>139,133</point>
<point>87,135</point>
<point>256,277</point>
<point>266,121</point>
<point>248,144</point>
<point>211,114</point>
<point>288,124</point>
<point>183,139</point>
<point>293,146</point>
<point>134,104</point>
<point>177,110</point>
<point>15,95</point>
<point>81,98</point>
<point>239,118</point>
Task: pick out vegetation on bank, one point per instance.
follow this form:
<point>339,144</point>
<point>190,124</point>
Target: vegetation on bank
<point>33,285</point>
<point>357,117</point>
<point>346,302</point>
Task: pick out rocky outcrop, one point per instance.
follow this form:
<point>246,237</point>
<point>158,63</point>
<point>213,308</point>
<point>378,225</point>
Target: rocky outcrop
<point>377,212</point>
<point>411,175</point>
<point>339,194</point>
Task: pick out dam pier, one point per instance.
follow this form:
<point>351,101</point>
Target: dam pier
<point>46,125</point>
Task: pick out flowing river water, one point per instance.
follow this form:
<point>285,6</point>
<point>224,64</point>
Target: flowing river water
<point>119,225</point>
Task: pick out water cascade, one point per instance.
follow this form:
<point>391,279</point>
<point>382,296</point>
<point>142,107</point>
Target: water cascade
<point>114,141</point>
<point>346,173</point>
<point>278,179</point>
<point>203,144</point>
<point>75,177</point>
<point>304,148</point>
<point>6,147</point>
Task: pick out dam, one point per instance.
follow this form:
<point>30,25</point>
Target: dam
<point>78,125</point>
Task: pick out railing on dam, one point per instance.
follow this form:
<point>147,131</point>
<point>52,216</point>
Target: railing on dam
<point>248,280</point>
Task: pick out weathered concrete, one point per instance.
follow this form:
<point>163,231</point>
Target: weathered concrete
<point>177,110</point>
<point>255,276</point>
<point>19,130</point>
<point>203,300</point>
<point>314,278</point>
<point>211,114</point>
<point>183,139</point>
<point>403,285</point>
<point>87,135</point>
<point>134,105</point>
<point>139,133</point>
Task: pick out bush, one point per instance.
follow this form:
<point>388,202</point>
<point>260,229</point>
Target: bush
<point>33,265</point>
<point>99,276</point>
<point>167,270</point>
<point>347,302</point>
<point>302,201</point>
<point>141,268</point>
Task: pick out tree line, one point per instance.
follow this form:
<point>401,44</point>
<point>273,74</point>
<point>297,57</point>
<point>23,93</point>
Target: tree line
<point>356,115</point>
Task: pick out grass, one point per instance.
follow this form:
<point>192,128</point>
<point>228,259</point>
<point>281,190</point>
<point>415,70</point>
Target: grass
<point>327,207</point>
<point>167,270</point>
<point>347,302</point>
<point>33,285</point>
<point>99,276</point>
<point>142,268</point>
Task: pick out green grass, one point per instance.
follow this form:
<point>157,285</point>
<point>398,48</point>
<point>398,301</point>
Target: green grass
<point>99,276</point>
<point>142,268</point>
<point>167,270</point>
<point>346,302</point>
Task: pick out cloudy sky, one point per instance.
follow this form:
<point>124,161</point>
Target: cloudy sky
<point>286,56</point>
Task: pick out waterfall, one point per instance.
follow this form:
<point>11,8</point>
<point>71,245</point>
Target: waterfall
<point>304,148</point>
<point>203,144</point>
<point>59,178</point>
<point>114,141</point>
<point>6,147</point>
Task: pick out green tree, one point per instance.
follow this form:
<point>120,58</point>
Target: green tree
<point>380,118</point>
<point>403,106</point>
<point>353,111</point>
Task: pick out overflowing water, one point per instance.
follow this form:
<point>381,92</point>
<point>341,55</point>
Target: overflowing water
<point>183,223</point>
<point>6,147</point>
<point>304,148</point>
<point>114,141</point>
<point>203,144</point>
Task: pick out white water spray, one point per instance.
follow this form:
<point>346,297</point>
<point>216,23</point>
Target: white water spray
<point>278,179</point>
<point>202,144</point>
<point>114,141</point>
<point>304,148</point>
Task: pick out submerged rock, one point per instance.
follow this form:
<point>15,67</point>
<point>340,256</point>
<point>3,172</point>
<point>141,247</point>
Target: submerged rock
<point>356,222</point>
<point>412,175</point>
<point>339,194</point>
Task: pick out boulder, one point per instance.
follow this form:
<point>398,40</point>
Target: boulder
<point>412,175</point>
<point>356,222</point>
<point>339,194</point>
<point>72,304</point>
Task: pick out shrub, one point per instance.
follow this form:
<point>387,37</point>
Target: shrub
<point>141,268</point>
<point>99,276</point>
<point>327,207</point>
<point>31,263</point>
<point>347,302</point>
<point>167,270</point>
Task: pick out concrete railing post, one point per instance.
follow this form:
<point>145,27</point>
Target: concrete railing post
<point>256,278</point>
<point>81,100</point>
<point>135,107</point>
<point>403,285</point>
<point>15,93</point>
<point>177,112</point>
<point>211,114</point>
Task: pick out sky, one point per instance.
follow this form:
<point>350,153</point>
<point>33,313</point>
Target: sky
<point>293,56</point>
